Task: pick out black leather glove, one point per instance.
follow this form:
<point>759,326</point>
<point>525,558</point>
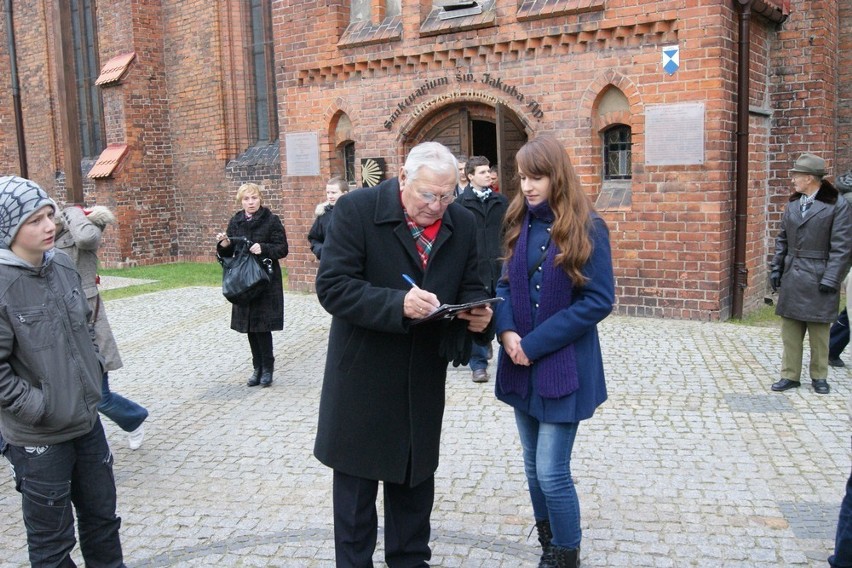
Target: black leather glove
<point>827,289</point>
<point>456,342</point>
<point>775,280</point>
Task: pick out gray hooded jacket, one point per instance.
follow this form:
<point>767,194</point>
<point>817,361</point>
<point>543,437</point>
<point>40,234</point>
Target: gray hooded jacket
<point>50,371</point>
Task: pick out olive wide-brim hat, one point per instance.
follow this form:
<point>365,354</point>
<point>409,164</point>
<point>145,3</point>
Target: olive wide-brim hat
<point>809,164</point>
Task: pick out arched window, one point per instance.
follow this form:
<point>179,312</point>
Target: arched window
<point>348,155</point>
<point>617,143</point>
<point>89,106</point>
<point>264,111</point>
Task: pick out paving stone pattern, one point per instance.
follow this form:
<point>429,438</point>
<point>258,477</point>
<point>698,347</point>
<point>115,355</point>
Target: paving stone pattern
<point>691,462</point>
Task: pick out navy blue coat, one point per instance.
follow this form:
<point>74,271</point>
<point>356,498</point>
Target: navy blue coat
<point>575,325</point>
<point>382,399</point>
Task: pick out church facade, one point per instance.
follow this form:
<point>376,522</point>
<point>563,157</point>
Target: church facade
<point>681,117</point>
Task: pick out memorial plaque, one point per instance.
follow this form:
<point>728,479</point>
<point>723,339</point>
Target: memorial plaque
<point>302,154</point>
<point>674,134</point>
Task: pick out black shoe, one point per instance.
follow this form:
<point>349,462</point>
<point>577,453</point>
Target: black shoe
<point>785,384</point>
<point>254,379</point>
<point>836,362</point>
<point>266,378</point>
<point>820,386</point>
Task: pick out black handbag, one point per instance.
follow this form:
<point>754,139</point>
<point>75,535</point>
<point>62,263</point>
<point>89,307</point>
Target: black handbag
<point>244,275</point>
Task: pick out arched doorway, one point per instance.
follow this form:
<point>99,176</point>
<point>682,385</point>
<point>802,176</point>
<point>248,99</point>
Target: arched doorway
<point>477,129</point>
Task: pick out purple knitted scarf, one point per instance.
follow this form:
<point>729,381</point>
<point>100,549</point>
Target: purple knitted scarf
<point>556,372</point>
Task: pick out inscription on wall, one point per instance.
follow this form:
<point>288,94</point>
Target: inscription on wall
<point>463,79</point>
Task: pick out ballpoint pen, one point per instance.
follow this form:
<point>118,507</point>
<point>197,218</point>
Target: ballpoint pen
<point>410,280</point>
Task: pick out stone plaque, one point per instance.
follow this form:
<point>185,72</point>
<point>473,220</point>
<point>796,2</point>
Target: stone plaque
<point>302,154</point>
<point>674,134</point>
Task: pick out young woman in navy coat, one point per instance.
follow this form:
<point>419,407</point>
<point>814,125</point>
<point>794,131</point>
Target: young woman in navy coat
<point>557,284</point>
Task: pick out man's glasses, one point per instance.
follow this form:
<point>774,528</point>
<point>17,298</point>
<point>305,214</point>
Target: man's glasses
<point>430,198</point>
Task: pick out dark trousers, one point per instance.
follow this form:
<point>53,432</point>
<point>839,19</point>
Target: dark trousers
<point>838,337</point>
<point>407,528</point>
<point>842,557</point>
<point>261,349</point>
<point>51,479</point>
<point>124,412</point>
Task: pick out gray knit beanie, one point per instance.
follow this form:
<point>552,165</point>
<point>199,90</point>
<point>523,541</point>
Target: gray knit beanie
<point>19,199</point>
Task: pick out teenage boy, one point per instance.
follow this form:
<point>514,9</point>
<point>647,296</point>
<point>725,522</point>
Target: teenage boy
<point>488,208</point>
<point>50,387</point>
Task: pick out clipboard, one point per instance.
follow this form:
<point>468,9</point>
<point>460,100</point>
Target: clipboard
<point>448,311</point>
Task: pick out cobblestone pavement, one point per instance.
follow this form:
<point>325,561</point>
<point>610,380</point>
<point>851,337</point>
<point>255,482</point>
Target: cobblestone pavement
<point>691,462</point>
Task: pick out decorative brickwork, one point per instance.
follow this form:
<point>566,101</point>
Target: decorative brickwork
<point>519,67</point>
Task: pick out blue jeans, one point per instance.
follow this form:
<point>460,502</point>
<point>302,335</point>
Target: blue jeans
<point>478,356</point>
<point>126,413</point>
<point>53,478</point>
<point>842,557</point>
<point>547,464</point>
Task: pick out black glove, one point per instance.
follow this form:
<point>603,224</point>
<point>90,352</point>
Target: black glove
<point>775,280</point>
<point>456,342</point>
<point>827,289</point>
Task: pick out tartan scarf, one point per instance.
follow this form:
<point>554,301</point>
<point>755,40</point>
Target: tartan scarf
<point>424,237</point>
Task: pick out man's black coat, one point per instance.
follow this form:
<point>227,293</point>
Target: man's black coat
<point>383,391</point>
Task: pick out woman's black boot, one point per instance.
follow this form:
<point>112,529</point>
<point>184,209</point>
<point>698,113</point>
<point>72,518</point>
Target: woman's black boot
<point>254,379</point>
<point>545,535</point>
<point>565,557</point>
<point>266,373</point>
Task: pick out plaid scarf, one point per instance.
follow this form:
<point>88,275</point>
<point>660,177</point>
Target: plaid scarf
<point>424,237</point>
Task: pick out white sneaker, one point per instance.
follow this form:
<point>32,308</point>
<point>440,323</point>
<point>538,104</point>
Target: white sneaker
<point>135,438</point>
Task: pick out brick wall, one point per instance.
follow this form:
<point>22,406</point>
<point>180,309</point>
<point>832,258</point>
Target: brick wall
<point>181,109</point>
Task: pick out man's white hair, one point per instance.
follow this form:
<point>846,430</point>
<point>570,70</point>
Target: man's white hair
<point>434,156</point>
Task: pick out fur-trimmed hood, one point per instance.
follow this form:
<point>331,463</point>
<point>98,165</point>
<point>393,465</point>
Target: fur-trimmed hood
<point>323,208</point>
<point>99,215</point>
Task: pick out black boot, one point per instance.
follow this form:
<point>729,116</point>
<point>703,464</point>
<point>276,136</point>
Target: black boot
<point>254,379</point>
<point>545,535</point>
<point>266,373</point>
<point>565,557</point>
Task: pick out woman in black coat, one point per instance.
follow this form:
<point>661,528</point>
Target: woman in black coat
<point>265,314</point>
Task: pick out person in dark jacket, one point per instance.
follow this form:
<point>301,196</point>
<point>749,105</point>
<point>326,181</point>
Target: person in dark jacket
<point>488,209</point>
<point>842,556</point>
<point>557,286</point>
<point>50,387</point>
<point>838,335</point>
<point>335,187</point>
<point>383,390</point>
<point>265,314</point>
<point>812,255</point>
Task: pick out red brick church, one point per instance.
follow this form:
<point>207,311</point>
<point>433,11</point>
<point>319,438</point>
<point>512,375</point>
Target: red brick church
<point>682,116</point>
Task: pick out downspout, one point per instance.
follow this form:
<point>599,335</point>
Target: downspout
<point>741,208</point>
<point>16,90</point>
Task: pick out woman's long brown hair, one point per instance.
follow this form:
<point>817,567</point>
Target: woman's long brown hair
<point>544,156</point>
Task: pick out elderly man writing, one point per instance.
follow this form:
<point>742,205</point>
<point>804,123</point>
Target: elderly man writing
<point>383,390</point>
